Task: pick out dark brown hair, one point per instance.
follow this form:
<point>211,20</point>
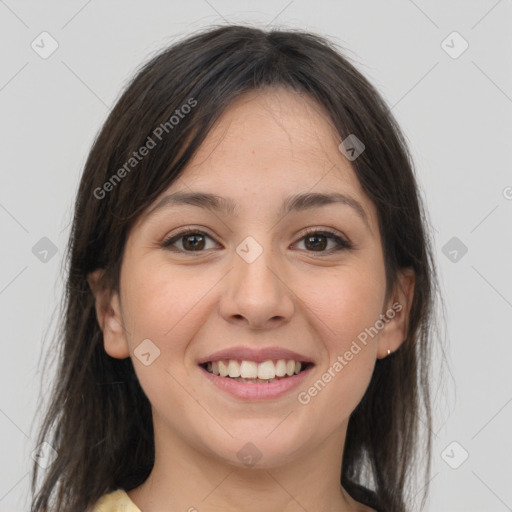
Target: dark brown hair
<point>98,418</point>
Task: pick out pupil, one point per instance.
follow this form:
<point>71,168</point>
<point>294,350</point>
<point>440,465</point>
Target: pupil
<point>313,237</point>
<point>194,244</point>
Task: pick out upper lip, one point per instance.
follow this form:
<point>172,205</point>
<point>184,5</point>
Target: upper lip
<point>257,355</point>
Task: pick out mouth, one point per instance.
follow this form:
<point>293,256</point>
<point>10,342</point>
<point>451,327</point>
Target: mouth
<point>253,372</point>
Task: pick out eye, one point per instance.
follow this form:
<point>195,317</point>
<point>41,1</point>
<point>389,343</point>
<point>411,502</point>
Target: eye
<point>194,240</point>
<point>191,240</point>
<point>317,240</point>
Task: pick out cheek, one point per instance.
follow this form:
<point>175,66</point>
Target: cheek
<point>347,302</point>
<point>162,306</point>
<point>158,301</point>
<point>345,313</point>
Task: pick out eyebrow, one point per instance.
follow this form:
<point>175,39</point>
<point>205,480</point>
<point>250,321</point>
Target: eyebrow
<point>225,205</point>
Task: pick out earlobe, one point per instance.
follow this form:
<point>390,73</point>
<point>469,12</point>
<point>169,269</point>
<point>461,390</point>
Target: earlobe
<point>394,332</point>
<point>109,316</point>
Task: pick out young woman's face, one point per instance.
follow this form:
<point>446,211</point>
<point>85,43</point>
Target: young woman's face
<point>253,279</point>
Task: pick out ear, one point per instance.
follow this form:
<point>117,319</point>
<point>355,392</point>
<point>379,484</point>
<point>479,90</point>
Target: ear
<point>396,320</point>
<point>108,313</point>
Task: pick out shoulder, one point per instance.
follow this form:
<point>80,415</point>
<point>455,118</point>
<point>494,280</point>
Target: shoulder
<point>115,501</point>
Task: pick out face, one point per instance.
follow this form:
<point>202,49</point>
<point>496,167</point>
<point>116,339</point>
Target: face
<point>309,279</point>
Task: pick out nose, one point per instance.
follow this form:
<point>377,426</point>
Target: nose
<point>256,293</point>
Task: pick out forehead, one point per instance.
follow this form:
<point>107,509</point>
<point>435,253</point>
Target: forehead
<point>272,126</point>
<point>266,146</point>
<point>272,137</point>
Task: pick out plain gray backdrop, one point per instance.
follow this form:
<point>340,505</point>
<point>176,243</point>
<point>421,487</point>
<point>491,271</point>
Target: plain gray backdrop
<point>444,67</point>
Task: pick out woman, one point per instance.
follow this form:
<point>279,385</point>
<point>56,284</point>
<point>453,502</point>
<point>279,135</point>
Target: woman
<point>250,295</point>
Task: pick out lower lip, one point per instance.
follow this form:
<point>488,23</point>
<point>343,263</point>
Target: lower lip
<point>257,391</point>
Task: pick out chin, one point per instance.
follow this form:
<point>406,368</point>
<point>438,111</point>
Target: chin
<point>259,451</point>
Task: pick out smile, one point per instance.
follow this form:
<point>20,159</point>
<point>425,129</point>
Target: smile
<point>249,380</point>
<point>251,371</point>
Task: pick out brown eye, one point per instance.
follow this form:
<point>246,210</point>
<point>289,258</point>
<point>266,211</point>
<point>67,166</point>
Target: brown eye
<point>317,241</point>
<point>189,241</point>
<point>192,240</point>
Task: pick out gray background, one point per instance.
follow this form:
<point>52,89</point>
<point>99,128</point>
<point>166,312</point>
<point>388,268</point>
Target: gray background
<point>456,113</point>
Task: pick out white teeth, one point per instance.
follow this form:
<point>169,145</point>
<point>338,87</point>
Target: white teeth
<point>266,370</point>
<point>233,368</point>
<point>245,371</point>
<point>281,368</point>
<point>249,370</point>
<point>223,369</point>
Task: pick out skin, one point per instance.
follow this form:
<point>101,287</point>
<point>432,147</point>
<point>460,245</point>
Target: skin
<point>266,146</point>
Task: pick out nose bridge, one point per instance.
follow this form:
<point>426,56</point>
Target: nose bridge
<point>256,291</point>
<point>254,264</point>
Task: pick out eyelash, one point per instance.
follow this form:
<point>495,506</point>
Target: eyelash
<point>342,243</point>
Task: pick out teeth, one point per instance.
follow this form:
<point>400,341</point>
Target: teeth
<point>250,371</point>
<point>281,368</point>
<point>266,370</point>
<point>223,369</point>
<point>233,368</point>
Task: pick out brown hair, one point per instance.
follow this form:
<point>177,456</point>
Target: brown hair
<point>98,418</point>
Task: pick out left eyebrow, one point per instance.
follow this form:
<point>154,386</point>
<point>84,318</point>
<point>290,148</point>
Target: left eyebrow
<point>295,203</point>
